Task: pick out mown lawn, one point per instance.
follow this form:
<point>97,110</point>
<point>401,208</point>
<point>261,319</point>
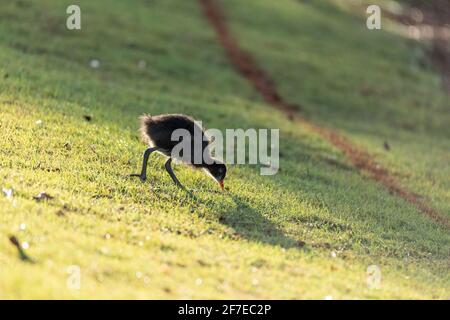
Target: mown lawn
<point>311,231</point>
<point>374,86</point>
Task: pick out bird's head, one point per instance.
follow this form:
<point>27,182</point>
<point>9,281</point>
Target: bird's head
<point>218,171</point>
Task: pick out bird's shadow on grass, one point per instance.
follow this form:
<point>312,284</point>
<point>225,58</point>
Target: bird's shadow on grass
<point>252,225</point>
<point>246,221</point>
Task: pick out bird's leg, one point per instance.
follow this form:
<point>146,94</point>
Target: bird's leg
<point>172,175</point>
<point>143,174</point>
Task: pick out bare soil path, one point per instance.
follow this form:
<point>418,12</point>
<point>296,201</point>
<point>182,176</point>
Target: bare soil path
<point>247,66</point>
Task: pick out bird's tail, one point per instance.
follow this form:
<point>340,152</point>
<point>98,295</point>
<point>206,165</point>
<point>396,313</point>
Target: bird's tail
<point>144,123</point>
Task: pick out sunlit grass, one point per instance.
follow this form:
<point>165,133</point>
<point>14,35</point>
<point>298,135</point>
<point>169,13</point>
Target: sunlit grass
<point>310,231</point>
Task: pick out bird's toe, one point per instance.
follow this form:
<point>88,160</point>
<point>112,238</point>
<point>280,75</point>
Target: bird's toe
<point>141,177</point>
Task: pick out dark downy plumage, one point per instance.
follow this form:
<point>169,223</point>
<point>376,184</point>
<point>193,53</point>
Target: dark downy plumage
<point>157,132</point>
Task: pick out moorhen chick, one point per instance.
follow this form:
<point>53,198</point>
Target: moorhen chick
<point>157,131</point>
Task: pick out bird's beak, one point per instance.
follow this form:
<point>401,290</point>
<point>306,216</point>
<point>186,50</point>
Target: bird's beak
<point>221,185</point>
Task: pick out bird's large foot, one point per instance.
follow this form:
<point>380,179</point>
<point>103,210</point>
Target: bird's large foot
<point>141,176</point>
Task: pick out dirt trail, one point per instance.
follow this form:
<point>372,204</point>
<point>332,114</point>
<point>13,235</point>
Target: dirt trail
<point>247,66</point>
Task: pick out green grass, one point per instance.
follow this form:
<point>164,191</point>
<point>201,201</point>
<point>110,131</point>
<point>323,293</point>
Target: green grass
<point>134,240</point>
<point>374,86</point>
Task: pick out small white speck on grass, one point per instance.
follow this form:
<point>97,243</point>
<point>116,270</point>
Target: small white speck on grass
<point>142,64</point>
<point>39,122</point>
<point>333,254</point>
<point>140,243</point>
<point>22,226</point>
<point>254,269</point>
<point>107,236</point>
<point>146,280</point>
<point>8,193</point>
<point>255,282</point>
<point>25,245</point>
<point>94,64</point>
<point>328,298</point>
<point>199,281</point>
<point>138,274</point>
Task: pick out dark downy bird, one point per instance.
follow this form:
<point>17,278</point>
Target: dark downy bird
<point>157,132</point>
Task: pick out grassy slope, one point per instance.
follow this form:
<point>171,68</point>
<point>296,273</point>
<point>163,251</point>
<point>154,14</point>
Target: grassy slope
<point>372,85</point>
<point>241,244</point>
